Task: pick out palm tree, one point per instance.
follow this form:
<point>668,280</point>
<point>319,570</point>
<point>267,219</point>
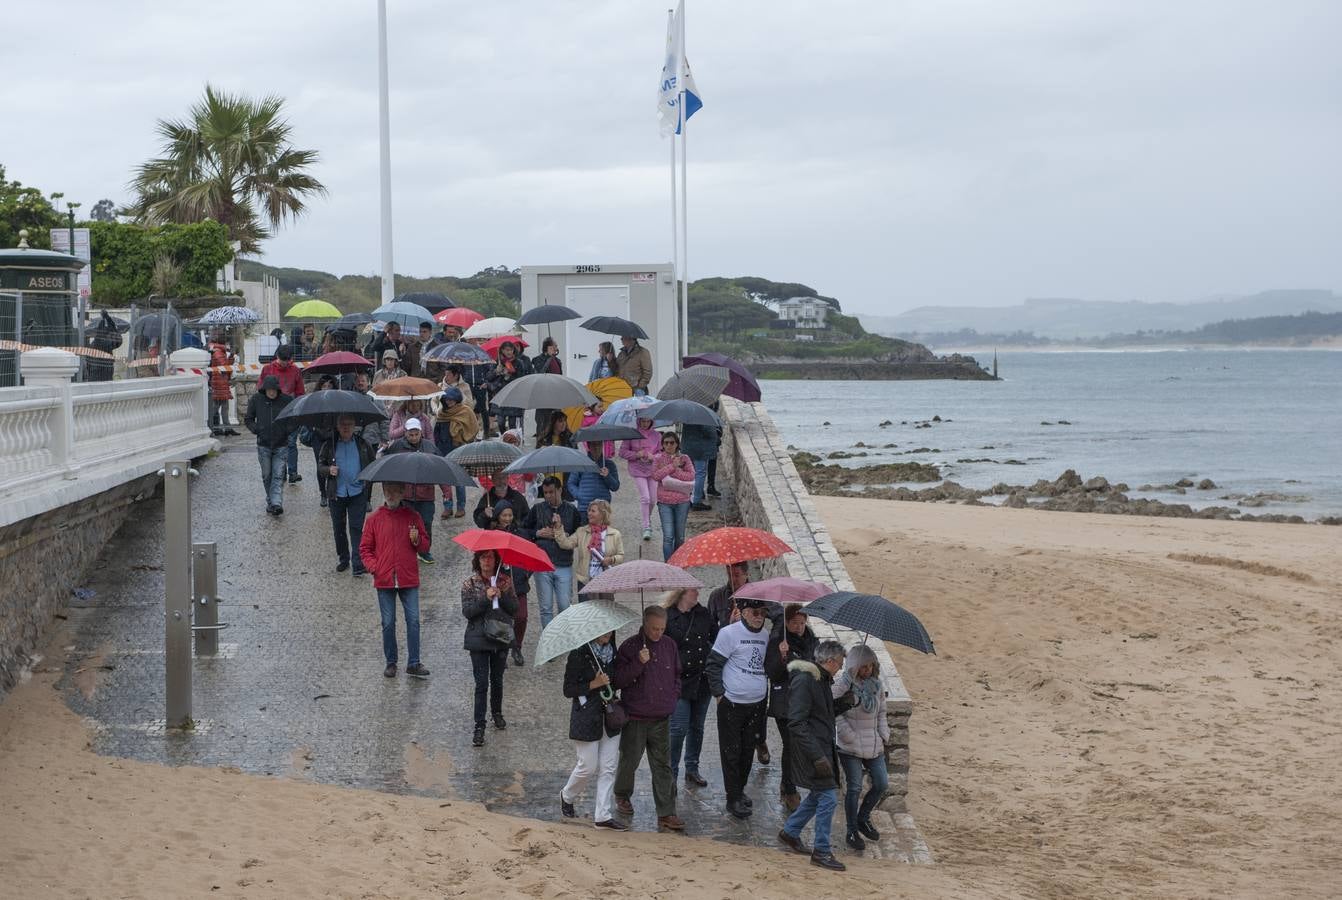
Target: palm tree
<point>230,161</point>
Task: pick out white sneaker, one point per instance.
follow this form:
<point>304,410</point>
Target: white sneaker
<point>647,534</point>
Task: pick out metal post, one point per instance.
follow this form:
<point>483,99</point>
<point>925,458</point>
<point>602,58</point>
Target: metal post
<point>384,153</point>
<point>204,579</point>
<point>18,339</point>
<point>177,590</point>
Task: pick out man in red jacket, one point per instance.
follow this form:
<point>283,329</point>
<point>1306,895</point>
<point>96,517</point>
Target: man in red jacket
<point>291,384</point>
<point>392,537</point>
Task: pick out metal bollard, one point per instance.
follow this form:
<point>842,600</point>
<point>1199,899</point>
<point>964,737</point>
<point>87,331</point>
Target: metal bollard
<point>177,590</point>
<point>204,579</point>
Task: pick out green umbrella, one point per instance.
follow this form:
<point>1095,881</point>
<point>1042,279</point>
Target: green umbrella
<point>312,309</point>
<point>579,624</point>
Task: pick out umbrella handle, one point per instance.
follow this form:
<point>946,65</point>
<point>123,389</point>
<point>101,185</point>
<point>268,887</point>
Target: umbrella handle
<point>607,692</point>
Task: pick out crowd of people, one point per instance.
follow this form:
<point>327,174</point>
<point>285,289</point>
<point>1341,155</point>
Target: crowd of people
<point>648,696</point>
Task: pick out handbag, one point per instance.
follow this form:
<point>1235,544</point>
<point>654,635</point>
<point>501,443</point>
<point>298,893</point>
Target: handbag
<point>616,716</point>
<point>499,632</point>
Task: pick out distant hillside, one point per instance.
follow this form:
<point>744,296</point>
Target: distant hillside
<point>494,291</point>
<point>1278,331</point>
<point>1066,319</point>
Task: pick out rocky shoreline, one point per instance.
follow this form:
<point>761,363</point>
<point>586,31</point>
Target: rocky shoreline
<point>1069,492</point>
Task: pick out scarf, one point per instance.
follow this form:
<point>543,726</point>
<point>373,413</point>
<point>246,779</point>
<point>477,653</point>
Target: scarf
<point>598,539</point>
<point>604,653</point>
<point>867,692</point>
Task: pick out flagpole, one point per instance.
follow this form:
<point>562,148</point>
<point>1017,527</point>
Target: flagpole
<point>384,154</point>
<point>675,229</point>
<point>684,204</point>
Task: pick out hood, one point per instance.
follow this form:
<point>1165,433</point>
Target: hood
<point>801,665</point>
<point>270,381</point>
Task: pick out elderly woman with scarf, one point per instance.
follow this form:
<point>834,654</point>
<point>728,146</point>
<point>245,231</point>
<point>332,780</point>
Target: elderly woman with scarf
<point>489,604</point>
<point>587,683</point>
<point>454,425</point>
<point>863,733</point>
<point>598,547</point>
<point>511,366</point>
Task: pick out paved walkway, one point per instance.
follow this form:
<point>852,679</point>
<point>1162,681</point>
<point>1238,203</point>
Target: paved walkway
<point>298,688</point>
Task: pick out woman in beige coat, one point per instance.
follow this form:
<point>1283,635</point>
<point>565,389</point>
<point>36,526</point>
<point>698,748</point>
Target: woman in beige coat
<point>596,547</point>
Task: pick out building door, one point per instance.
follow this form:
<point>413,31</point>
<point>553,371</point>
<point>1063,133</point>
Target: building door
<point>580,345</point>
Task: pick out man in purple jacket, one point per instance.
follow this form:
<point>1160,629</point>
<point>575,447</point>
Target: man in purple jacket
<point>647,672</point>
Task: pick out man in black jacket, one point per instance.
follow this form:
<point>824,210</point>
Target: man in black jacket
<point>272,439</point>
<point>499,489</point>
<point>814,764</point>
<point>342,457</point>
<point>545,518</point>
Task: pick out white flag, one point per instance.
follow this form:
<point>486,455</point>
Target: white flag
<point>676,77</point>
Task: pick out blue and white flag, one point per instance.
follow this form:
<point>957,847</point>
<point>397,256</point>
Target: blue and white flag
<point>676,77</point>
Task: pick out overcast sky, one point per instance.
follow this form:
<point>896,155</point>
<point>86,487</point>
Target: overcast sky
<point>892,154</point>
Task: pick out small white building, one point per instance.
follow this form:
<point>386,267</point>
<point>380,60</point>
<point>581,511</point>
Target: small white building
<point>804,312</point>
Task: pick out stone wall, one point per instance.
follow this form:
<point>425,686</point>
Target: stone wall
<point>769,494</point>
<point>42,560</point>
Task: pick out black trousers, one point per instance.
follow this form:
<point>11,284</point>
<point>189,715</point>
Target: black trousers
<point>347,515</point>
<point>785,783</point>
<point>488,666</point>
<point>739,725</point>
<point>713,474</point>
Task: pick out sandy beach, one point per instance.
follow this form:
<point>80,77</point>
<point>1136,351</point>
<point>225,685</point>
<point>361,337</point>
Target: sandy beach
<point>1120,707</point>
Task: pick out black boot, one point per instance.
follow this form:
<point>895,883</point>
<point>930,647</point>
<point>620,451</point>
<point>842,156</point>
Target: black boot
<point>479,739</point>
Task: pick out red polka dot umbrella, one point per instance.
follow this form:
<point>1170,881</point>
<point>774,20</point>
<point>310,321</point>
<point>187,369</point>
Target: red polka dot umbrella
<point>724,546</point>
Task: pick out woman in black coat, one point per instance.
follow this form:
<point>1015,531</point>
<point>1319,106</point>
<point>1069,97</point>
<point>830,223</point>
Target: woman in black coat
<point>489,604</point>
<point>587,684</point>
<point>792,639</point>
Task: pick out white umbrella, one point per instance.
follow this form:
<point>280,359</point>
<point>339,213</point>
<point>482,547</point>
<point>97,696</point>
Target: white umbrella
<point>580,623</point>
<point>495,326</point>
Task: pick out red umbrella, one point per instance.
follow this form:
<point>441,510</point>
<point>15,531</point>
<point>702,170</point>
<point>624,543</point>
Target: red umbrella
<point>724,546</point>
<point>492,345</point>
<point>339,363</point>
<point>461,317</point>
<point>783,590</point>
<point>512,550</point>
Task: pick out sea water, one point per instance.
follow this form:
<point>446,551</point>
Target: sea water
<point>1251,420</point>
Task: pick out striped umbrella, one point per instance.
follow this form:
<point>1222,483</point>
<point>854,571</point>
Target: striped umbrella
<point>230,315</point>
<point>881,618</point>
<point>485,457</point>
<point>580,624</point>
<point>701,384</point>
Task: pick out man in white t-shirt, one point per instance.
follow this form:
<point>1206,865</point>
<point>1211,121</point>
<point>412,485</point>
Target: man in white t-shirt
<point>737,678</point>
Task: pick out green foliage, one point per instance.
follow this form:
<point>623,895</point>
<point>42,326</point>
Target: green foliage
<point>26,207</point>
<point>717,305</point>
<point>103,211</point>
<point>231,160</point>
<point>124,256</point>
<point>847,325</point>
<point>490,292</point>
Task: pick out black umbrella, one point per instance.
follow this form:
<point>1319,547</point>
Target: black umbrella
<point>615,325</point>
<point>352,320</point>
<point>416,468</point>
<point>877,616</point>
<point>599,432</point>
<point>457,353</point>
<point>687,412</point>
<point>430,300</point>
<point>485,457</point>
<point>552,459</point>
<point>550,312</point>
<point>319,406</point>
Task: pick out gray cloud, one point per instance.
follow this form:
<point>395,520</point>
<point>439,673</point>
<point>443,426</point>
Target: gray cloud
<point>892,154</point>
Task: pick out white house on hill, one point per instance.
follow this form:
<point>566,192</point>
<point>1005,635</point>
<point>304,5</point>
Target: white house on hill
<point>804,312</point>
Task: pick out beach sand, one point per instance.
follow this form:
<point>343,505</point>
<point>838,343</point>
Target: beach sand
<point>1120,705</point>
<point>1102,720</point>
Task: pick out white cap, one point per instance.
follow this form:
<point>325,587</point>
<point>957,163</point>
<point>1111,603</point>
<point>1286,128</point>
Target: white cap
<point>413,425</point>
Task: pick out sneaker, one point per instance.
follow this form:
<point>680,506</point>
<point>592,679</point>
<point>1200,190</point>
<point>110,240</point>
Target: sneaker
<point>762,754</point>
<point>647,534</point>
<point>670,823</point>
<point>479,739</point>
<point>270,509</point>
<point>417,671</point>
<point>294,479</point>
<point>359,573</point>
<point>279,510</point>
<point>623,806</point>
<point>499,722</point>
<point>696,779</point>
<point>426,558</point>
<point>701,507</point>
<point>390,670</point>
<point>517,658</point>
<point>792,843</point>
<point>566,809</point>
<point>712,492</point>
<point>866,830</point>
<point>342,565</point>
<point>323,503</point>
<point>827,861</point>
<point>855,841</point>
<point>612,824</point>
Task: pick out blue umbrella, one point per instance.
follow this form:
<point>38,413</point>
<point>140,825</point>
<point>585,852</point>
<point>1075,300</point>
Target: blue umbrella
<point>627,411</point>
<point>407,315</point>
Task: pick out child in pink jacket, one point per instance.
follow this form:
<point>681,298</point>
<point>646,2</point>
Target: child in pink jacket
<point>639,454</point>
<point>673,500</point>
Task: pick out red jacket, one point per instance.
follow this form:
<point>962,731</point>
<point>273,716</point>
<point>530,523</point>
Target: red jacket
<point>386,547</point>
<point>290,376</point>
<point>221,387</point>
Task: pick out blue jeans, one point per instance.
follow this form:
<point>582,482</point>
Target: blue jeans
<point>853,770</point>
<point>821,805</point>
<point>700,474</point>
<point>293,453</point>
<point>552,587</point>
<point>272,473</point>
<point>386,603</point>
<point>687,732</point>
<point>673,526</point>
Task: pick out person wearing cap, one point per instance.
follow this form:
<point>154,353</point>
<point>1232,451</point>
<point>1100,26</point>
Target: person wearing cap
<point>418,497</point>
<point>391,367</point>
<point>737,678</point>
<point>291,383</point>
<point>263,412</point>
<point>454,426</point>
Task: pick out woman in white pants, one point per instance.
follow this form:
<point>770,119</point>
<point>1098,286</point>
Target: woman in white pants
<point>587,683</point>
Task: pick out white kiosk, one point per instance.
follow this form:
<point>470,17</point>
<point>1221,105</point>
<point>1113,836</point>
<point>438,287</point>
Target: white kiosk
<point>645,294</point>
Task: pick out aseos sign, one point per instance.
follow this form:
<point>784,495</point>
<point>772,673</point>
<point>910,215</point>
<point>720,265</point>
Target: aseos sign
<point>31,281</point>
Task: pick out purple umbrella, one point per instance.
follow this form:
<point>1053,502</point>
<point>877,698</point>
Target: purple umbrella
<point>742,385</point>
